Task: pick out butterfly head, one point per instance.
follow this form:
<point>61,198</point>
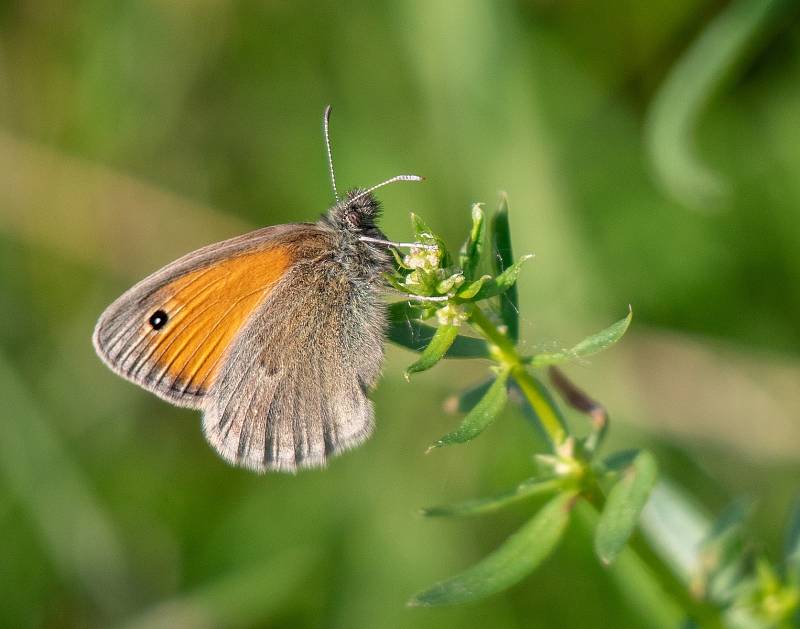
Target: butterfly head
<point>357,212</point>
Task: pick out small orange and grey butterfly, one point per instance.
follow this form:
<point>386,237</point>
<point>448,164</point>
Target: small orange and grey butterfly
<point>276,335</point>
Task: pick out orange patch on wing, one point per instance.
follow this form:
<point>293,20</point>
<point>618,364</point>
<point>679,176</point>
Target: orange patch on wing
<point>206,309</point>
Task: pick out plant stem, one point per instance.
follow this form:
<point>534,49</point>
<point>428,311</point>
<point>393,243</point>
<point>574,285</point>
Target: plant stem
<point>637,572</point>
<point>505,352</point>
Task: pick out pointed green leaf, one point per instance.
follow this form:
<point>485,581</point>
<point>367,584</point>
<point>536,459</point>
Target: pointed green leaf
<point>398,259</point>
<point>518,556</point>
<point>623,507</point>
<point>423,233</point>
<point>550,358</point>
<point>446,285</point>
<point>420,227</point>
<point>588,346</point>
<point>480,416</point>
<point>502,259</point>
<point>501,237</point>
<point>498,285</point>
<point>470,253</point>
<point>407,330</point>
<point>479,506</point>
<point>469,291</point>
<point>423,283</point>
<point>605,339</point>
<point>442,339</point>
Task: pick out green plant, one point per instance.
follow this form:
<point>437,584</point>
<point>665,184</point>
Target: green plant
<point>607,492</point>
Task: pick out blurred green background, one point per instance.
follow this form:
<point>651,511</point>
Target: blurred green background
<point>134,132</point>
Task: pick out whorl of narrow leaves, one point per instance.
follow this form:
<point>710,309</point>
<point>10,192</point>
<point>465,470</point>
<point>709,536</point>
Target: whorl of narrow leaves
<point>456,296</point>
<point>519,555</point>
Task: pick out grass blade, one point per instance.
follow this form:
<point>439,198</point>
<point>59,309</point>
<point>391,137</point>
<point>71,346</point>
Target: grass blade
<point>519,555</point>
<point>249,596</point>
<point>718,53</point>
<point>77,533</point>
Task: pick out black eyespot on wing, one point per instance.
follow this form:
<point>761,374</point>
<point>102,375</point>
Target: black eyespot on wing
<point>158,319</point>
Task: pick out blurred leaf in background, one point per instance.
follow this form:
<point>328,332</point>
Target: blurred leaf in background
<point>135,132</point>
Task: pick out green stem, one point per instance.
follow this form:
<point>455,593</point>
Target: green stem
<point>505,352</point>
<point>640,572</point>
<point>540,405</point>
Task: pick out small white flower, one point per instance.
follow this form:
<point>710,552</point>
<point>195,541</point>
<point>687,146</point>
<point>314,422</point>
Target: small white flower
<point>413,279</point>
<point>451,314</point>
<point>422,258</point>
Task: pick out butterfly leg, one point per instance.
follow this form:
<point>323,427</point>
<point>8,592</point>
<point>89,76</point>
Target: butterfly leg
<point>407,245</point>
<point>426,297</point>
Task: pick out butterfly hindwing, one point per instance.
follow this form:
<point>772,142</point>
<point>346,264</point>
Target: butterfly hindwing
<point>292,390</point>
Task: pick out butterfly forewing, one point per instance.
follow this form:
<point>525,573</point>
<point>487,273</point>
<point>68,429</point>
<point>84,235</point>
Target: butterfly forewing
<point>170,332</point>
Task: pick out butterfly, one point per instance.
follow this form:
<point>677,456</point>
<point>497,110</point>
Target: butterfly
<point>276,335</point>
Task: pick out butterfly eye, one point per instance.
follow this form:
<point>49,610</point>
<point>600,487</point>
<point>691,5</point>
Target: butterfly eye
<point>158,319</point>
<point>354,218</point>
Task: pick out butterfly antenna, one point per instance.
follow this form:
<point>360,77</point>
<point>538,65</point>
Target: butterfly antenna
<point>386,183</point>
<point>326,119</point>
